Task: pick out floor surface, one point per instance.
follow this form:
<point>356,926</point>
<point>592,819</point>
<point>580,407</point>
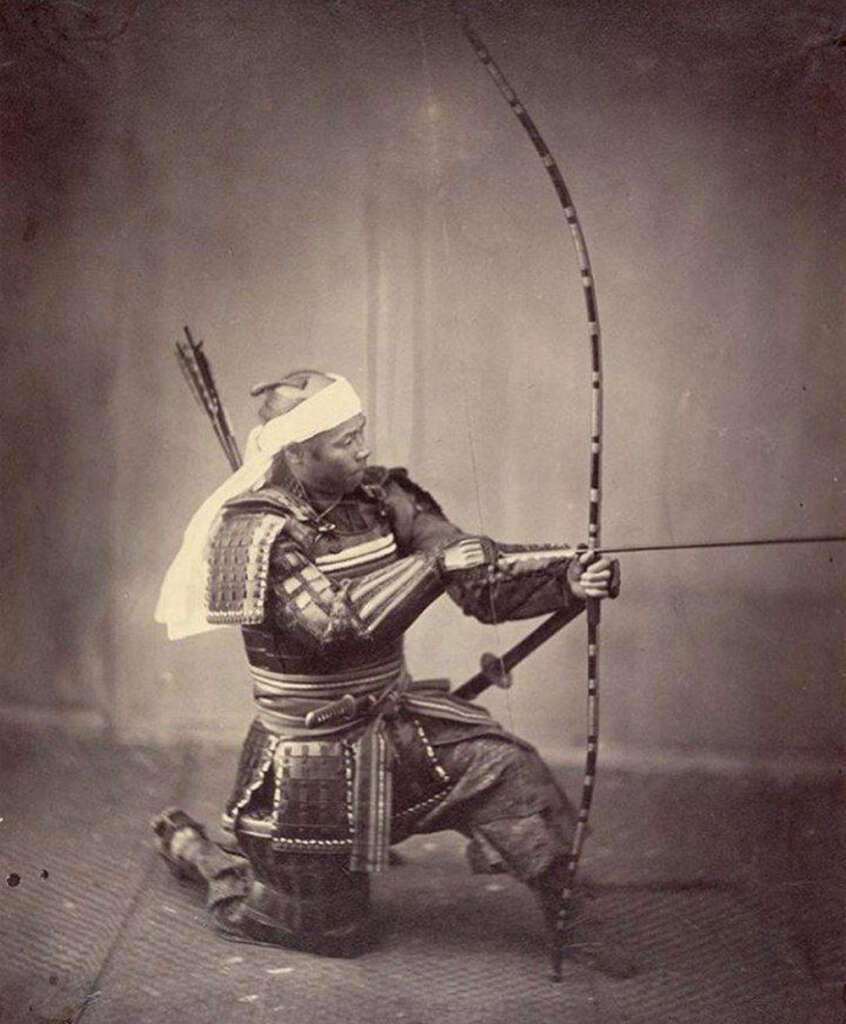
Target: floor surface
<point>726,895</point>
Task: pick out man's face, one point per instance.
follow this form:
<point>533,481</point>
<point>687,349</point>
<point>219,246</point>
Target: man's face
<point>333,462</point>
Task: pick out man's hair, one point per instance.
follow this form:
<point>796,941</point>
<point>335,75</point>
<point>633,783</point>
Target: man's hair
<point>283,395</point>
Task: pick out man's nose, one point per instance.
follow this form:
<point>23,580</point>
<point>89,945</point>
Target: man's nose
<point>363,454</point>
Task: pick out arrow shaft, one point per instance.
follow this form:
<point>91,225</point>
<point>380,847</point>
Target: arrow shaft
<point>824,538</point>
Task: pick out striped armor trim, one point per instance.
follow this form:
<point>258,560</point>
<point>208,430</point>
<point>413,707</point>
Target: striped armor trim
<point>375,597</point>
<point>354,607</point>
<point>365,554</point>
<point>327,686</point>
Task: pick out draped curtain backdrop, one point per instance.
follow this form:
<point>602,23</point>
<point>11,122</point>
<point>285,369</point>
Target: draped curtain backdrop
<point>340,186</point>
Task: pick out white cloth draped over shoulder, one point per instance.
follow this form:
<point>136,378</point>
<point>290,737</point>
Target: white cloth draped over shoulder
<point>182,599</point>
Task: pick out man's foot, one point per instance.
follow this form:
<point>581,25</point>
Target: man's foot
<point>178,839</point>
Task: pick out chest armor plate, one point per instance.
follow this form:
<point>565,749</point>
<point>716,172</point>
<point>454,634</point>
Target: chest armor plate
<point>353,539</point>
<point>345,542</point>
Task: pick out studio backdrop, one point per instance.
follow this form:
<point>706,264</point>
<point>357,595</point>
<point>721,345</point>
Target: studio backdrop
<point>342,187</point>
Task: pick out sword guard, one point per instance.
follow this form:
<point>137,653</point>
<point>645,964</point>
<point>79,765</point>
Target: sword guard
<point>495,672</point>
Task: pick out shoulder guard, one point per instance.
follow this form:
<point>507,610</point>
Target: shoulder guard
<point>423,501</point>
<point>272,500</point>
<point>238,564</point>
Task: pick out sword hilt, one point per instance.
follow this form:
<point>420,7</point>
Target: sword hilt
<point>339,710</point>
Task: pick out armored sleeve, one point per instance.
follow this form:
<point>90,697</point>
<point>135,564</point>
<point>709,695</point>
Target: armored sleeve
<point>325,613</point>
<point>527,580</point>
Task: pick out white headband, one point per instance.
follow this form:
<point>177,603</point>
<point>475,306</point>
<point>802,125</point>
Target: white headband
<point>181,605</point>
<point>329,408</point>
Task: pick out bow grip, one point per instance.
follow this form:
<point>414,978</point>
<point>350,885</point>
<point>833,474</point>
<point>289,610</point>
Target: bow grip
<point>614,583</point>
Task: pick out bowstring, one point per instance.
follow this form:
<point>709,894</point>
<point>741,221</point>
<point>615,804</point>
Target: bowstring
<point>431,104</point>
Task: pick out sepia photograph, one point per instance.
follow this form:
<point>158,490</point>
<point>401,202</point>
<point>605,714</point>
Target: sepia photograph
<point>423,512</point>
